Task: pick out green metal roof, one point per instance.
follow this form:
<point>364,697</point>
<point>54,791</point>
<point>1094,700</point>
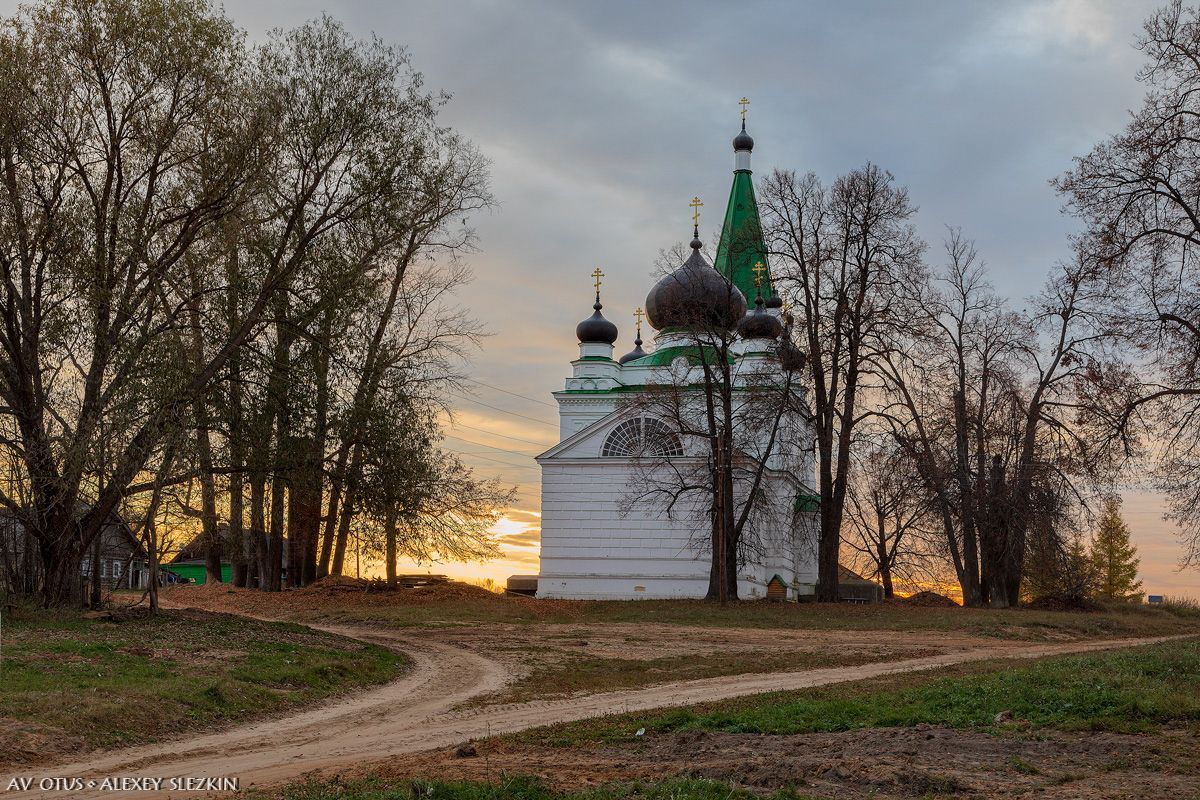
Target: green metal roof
<point>664,356</point>
<point>741,245</point>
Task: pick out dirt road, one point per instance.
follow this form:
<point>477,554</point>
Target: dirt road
<point>418,712</point>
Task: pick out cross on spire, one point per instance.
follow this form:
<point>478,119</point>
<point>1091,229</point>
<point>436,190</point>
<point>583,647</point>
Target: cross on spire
<point>639,313</point>
<point>696,205</point>
<point>743,103</point>
<point>597,273</point>
<point>759,269</point>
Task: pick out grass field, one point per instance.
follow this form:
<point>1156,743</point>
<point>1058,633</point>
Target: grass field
<point>1130,691</point>
<point>577,675</point>
<point>459,604</point>
<point>72,684</point>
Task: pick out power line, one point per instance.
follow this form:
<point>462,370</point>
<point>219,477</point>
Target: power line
<point>504,410</point>
<point>501,435</point>
<point>514,394</point>
<point>498,461</point>
<point>490,447</point>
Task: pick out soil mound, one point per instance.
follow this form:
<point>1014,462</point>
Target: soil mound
<point>340,582</point>
<point>335,590</point>
<point>928,600</point>
<point>25,743</point>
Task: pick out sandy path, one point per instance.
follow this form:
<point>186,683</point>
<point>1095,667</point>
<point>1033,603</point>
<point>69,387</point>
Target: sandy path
<point>417,713</point>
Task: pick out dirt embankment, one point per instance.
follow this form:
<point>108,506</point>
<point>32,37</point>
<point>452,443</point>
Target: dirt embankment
<point>334,591</point>
<point>883,764</point>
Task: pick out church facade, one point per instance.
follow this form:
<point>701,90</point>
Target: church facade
<point>606,534</point>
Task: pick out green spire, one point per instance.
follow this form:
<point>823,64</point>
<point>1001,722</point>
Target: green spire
<point>741,244</point>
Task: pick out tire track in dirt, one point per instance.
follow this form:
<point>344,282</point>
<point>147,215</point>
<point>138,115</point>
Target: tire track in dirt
<point>419,712</point>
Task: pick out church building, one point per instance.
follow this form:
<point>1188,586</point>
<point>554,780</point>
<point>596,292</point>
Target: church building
<point>602,536</point>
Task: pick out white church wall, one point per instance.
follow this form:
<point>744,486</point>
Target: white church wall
<point>590,550</point>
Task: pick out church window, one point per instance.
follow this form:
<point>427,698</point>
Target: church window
<point>642,436</point>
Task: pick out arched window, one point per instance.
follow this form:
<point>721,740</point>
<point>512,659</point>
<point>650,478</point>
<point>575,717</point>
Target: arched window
<point>642,436</point>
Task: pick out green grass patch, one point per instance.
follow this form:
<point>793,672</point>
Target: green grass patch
<point>593,674</point>
<point>106,684</point>
<point>1131,691</point>
<point>527,788</point>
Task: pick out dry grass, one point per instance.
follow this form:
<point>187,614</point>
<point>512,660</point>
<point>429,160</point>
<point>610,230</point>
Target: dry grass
<point>71,683</point>
<point>456,604</point>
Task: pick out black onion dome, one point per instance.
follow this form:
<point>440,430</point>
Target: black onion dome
<point>743,141</point>
<point>760,324</point>
<point>695,295</point>
<point>634,354</point>
<point>596,329</point>
<point>774,301</point>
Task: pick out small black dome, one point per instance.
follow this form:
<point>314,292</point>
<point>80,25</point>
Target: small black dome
<point>695,295</point>
<point>774,301</point>
<point>634,354</point>
<point>743,141</point>
<point>760,324</point>
<point>596,329</point>
<point>637,351</point>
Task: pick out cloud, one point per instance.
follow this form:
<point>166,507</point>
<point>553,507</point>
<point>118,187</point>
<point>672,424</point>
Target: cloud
<point>1076,24</point>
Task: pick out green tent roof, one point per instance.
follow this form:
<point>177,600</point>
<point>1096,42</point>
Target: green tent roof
<point>741,245</point>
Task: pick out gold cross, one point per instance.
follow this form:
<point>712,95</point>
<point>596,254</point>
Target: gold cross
<point>743,103</point>
<point>696,204</point>
<point>759,269</point>
<point>597,274</point>
<point>638,313</point>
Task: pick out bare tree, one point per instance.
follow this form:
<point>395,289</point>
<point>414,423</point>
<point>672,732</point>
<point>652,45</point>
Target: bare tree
<point>994,409</point>
<point>1137,194</point>
<point>839,252</point>
<point>888,518</point>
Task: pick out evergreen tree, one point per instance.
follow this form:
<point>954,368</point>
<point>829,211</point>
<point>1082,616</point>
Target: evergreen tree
<point>1115,557</point>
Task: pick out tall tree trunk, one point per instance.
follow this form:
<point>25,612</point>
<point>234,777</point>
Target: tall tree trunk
<point>967,492</point>
<point>389,532</point>
<point>729,499</point>
<point>882,557</point>
<point>347,514</point>
<point>95,595</point>
<point>258,528</point>
<point>828,544</point>
<point>336,483</point>
<point>279,387</point>
<point>241,550</point>
<point>152,561</point>
<point>213,550</point>
<point>275,536</point>
<point>295,534</point>
<point>312,480</point>
<point>237,532</point>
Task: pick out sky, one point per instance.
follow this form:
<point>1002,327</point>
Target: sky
<point>602,120</point>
